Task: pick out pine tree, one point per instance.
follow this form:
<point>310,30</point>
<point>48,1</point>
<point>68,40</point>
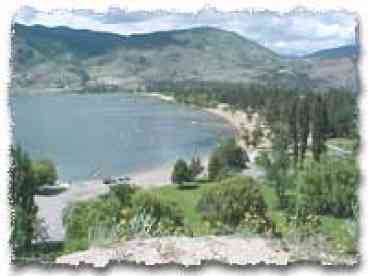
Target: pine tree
<point>195,167</point>
<point>320,127</point>
<point>215,167</point>
<point>294,130</point>
<point>23,187</point>
<point>304,119</point>
<point>181,172</point>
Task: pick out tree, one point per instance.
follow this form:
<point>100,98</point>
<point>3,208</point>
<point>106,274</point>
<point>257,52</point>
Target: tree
<point>181,172</point>
<point>232,155</point>
<point>277,166</point>
<point>304,121</point>
<point>23,186</point>
<point>215,167</point>
<point>226,158</point>
<point>320,127</point>
<point>26,177</point>
<point>195,167</point>
<point>45,172</point>
<point>294,130</point>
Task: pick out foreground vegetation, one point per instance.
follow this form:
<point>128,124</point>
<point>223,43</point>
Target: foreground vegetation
<point>26,177</point>
<point>320,204</point>
<point>307,195</point>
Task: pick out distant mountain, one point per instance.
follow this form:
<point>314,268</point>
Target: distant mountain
<point>61,59</point>
<point>349,51</point>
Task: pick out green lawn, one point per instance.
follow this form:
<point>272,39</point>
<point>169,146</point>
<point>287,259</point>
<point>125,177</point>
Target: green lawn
<point>187,200</point>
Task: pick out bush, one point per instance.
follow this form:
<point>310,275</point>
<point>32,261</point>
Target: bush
<point>328,187</point>
<point>80,218</point>
<point>232,201</point>
<point>181,172</point>
<point>164,215</point>
<point>87,221</point>
<point>123,193</point>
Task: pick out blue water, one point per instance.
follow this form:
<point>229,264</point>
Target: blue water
<point>111,134</point>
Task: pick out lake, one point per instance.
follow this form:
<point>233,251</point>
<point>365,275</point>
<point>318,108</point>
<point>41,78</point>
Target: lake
<point>98,135</point>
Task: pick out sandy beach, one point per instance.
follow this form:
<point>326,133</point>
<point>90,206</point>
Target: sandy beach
<point>242,122</point>
<point>159,96</point>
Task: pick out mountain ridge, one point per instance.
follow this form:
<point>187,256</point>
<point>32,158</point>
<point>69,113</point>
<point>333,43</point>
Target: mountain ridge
<point>63,58</point>
<point>349,51</point>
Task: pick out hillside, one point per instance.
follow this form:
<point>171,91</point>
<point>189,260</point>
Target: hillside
<point>339,52</point>
<point>62,59</point>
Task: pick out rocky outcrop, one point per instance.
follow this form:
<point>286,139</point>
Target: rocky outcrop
<point>184,251</point>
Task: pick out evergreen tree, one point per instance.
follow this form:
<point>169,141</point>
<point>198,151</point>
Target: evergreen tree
<point>23,187</point>
<point>304,119</point>
<point>215,167</point>
<point>181,173</point>
<point>195,167</point>
<point>320,126</point>
<point>294,130</point>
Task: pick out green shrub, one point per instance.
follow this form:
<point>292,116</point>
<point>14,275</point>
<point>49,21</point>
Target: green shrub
<point>230,202</point>
<point>164,214</point>
<point>255,223</point>
<point>305,225</point>
<point>92,221</point>
<point>139,224</point>
<point>327,187</point>
<point>123,193</point>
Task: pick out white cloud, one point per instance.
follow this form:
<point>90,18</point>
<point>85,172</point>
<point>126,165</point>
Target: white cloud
<point>294,33</point>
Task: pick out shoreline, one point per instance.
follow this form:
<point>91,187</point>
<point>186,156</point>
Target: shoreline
<point>51,207</point>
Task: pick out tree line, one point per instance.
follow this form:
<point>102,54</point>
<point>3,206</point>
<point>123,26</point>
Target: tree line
<point>274,103</point>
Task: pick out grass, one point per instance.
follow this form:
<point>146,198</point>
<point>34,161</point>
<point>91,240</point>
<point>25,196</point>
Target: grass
<point>187,200</point>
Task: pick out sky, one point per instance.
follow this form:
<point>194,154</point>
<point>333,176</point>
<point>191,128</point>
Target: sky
<point>295,33</point>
